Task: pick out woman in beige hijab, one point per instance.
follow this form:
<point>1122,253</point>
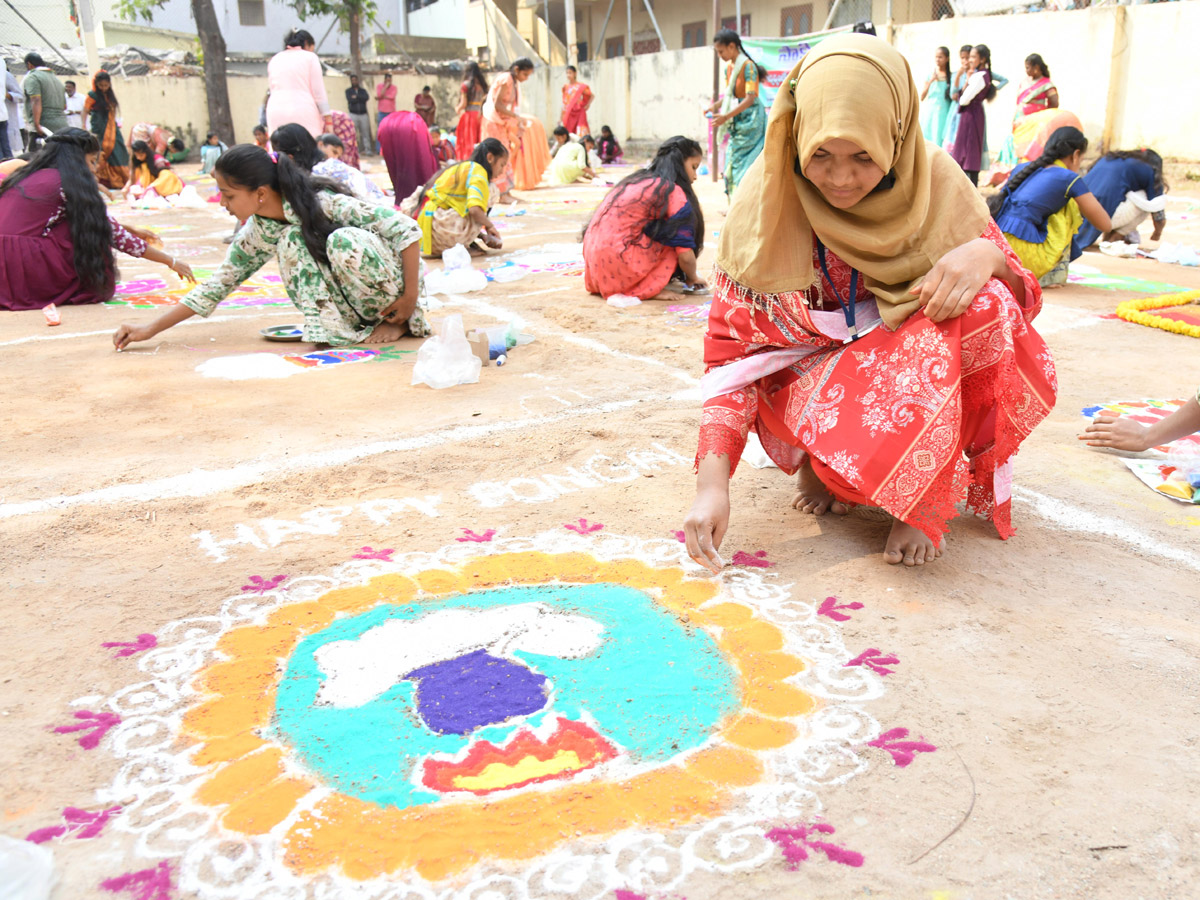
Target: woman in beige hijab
<point>869,321</point>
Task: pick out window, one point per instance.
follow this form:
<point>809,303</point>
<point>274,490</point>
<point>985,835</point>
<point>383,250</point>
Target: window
<point>694,34</point>
<point>796,20</point>
<point>614,47</point>
<point>941,9</point>
<point>730,22</point>
<point>250,12</point>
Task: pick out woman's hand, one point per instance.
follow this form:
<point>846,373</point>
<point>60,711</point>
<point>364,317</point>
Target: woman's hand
<point>720,120</point>
<point>183,270</point>
<point>708,520</point>
<point>130,334</point>
<point>948,288</point>
<point>706,524</point>
<point>1118,433</point>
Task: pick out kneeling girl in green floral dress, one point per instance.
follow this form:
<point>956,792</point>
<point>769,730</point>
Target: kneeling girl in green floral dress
<point>351,268</point>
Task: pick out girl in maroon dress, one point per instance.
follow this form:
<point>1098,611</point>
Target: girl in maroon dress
<point>649,227</point>
<point>968,142</point>
<point>56,240</point>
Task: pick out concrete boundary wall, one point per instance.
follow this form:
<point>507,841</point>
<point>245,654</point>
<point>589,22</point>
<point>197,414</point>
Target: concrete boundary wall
<point>181,105</point>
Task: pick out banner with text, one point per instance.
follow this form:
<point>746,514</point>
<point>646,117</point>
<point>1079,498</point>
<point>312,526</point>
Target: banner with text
<point>780,55</point>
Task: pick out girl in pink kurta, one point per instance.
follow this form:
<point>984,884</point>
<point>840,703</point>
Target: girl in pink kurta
<point>649,227</point>
<point>297,87</point>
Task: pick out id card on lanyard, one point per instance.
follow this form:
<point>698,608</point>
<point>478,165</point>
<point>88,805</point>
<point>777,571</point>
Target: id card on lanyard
<point>849,309</point>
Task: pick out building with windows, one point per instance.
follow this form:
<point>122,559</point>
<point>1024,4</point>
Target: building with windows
<point>250,27</point>
<point>603,30</point>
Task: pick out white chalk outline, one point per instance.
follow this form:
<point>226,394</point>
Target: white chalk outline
<point>1074,518</point>
<point>206,482</point>
<point>197,321</point>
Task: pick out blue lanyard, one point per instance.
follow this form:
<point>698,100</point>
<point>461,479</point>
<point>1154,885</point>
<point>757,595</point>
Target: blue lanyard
<point>848,309</point>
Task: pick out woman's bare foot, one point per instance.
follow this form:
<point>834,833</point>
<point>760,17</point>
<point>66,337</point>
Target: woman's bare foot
<point>812,496</point>
<point>669,295</point>
<point>909,545</point>
<point>386,333</point>
<point>506,197</point>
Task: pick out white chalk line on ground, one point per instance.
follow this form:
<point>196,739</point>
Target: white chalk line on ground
<point>1073,518</point>
<point>206,482</point>
<point>487,308</point>
<point>197,321</point>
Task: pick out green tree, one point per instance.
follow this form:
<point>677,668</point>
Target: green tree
<point>212,47</point>
<point>352,15</point>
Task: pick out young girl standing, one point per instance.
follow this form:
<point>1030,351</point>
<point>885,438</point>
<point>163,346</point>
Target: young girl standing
<point>351,268</point>
<point>971,139</point>
<point>935,98</point>
<point>741,112</point>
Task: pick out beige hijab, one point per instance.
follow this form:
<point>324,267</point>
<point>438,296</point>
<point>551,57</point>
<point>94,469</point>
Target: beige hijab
<point>858,88</point>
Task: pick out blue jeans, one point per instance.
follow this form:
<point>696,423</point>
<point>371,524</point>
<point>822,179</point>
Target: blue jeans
<point>5,149</point>
<point>379,117</point>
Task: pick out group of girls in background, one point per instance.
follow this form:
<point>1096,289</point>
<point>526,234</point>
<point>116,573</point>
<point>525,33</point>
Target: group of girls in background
<point>56,239</point>
<point>351,268</point>
<point>322,159</point>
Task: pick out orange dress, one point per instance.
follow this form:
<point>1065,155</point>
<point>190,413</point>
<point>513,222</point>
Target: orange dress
<point>528,153</point>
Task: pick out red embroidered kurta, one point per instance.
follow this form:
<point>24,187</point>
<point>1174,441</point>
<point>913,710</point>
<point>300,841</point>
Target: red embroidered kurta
<point>909,420</point>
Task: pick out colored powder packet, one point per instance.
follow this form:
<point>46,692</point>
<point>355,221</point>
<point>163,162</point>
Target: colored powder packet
<point>51,314</point>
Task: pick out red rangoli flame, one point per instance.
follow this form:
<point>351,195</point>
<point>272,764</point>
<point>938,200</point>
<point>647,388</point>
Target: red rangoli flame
<point>572,748</point>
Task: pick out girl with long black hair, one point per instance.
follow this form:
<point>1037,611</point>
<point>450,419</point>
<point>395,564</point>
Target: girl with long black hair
<point>56,240</point>
<point>296,142</point>
<point>150,172</point>
<point>1043,204</point>
<point>452,208</point>
<point>740,113</point>
<point>351,268</point>
<point>472,93</point>
<point>648,229</point>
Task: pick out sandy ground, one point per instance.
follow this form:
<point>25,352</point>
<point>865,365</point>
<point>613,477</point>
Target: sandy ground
<point>1056,674</point>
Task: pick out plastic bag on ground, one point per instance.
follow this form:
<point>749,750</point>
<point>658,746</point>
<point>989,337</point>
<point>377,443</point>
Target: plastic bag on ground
<point>446,359</point>
<point>457,276</point>
<point>26,870</point>
<point>456,257</point>
<point>623,300</point>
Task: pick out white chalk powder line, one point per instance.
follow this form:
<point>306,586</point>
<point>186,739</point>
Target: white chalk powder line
<point>1073,518</point>
<point>206,482</point>
<point>196,321</point>
<point>487,308</point>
